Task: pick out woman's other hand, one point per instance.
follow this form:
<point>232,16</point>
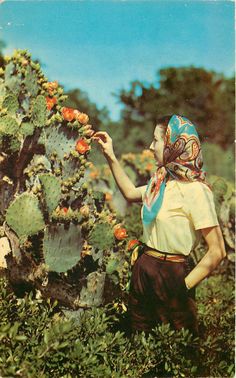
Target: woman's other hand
<point>105,141</point>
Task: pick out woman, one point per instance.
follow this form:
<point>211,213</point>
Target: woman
<point>177,208</point>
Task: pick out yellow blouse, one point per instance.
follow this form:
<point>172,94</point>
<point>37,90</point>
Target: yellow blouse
<point>187,207</point>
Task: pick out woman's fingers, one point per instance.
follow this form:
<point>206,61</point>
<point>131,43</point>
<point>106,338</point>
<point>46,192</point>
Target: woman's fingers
<point>102,135</point>
<point>105,141</point>
<point>101,143</point>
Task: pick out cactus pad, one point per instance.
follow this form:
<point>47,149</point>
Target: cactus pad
<point>24,216</point>
<point>11,103</point>
<point>31,82</point>
<point>220,186</point>
<point>51,190</point>
<point>2,91</point>
<point>102,236</point>
<point>9,70</point>
<point>26,128</point>
<point>112,265</point>
<point>92,294</point>
<point>59,140</point>
<point>69,168</point>
<point>8,125</point>
<point>12,81</point>
<point>62,247</point>
<point>14,144</point>
<point>39,111</point>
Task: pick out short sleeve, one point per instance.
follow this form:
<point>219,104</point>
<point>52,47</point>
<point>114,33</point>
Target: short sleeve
<point>201,206</point>
<point>143,190</point>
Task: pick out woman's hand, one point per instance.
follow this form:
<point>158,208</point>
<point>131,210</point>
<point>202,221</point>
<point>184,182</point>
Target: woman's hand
<point>105,141</point>
<point>125,185</point>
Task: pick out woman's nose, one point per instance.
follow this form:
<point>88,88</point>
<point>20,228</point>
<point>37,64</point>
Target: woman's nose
<point>151,147</point>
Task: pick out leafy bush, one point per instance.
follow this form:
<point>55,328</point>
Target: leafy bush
<point>216,316</point>
<point>38,338</point>
<point>217,161</point>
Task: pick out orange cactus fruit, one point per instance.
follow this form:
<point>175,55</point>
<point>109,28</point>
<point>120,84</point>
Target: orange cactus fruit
<point>82,146</point>
<point>82,118</point>
<point>90,165</point>
<point>51,101</point>
<point>148,153</point>
<point>65,209</point>
<point>132,243</point>
<point>94,174</point>
<point>69,114</point>
<point>108,196</point>
<point>120,233</point>
<point>149,166</point>
<point>51,86</point>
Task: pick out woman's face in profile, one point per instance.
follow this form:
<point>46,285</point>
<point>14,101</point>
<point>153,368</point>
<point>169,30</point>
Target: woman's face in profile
<point>157,145</point>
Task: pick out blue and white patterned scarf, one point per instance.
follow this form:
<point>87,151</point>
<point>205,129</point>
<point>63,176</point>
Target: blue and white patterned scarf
<point>182,159</point>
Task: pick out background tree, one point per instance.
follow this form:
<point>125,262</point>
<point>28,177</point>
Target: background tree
<point>206,97</point>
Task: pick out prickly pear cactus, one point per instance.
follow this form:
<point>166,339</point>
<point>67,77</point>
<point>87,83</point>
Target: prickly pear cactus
<point>64,238</point>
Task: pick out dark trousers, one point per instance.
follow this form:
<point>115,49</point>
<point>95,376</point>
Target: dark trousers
<point>157,295</point>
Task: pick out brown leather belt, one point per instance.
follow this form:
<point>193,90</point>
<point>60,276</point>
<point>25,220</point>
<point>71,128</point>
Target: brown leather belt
<point>159,255</point>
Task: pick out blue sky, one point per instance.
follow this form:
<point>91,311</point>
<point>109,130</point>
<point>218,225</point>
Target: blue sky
<point>101,46</point>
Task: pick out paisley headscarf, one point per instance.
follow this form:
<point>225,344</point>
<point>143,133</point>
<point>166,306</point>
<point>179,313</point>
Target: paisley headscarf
<point>182,160</point>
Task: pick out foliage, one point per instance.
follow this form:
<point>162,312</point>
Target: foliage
<point>205,97</point>
<point>217,161</point>
<point>40,339</point>
<point>216,316</point>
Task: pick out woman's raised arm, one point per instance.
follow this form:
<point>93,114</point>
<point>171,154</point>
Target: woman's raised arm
<point>125,185</point>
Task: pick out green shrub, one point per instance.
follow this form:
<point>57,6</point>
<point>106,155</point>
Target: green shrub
<point>39,339</point>
<point>216,316</point>
<point>217,161</point>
